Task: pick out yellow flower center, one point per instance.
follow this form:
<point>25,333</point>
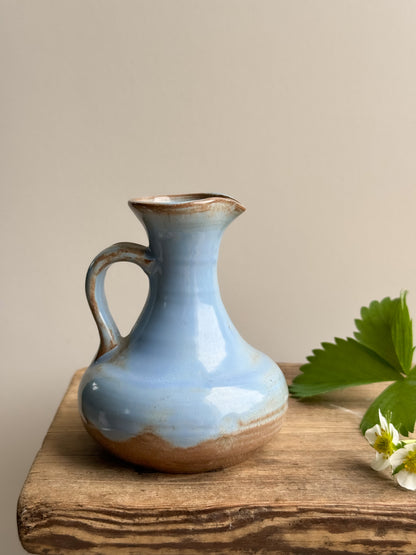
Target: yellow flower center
<point>410,462</point>
<point>384,444</point>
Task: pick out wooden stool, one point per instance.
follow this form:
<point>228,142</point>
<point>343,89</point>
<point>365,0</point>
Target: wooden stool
<point>311,490</point>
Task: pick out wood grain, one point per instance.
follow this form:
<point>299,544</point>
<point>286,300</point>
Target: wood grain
<point>311,490</point>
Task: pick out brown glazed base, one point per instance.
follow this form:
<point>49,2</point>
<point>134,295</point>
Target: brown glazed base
<point>149,450</point>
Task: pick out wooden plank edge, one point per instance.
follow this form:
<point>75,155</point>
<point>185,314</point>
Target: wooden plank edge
<point>251,529</point>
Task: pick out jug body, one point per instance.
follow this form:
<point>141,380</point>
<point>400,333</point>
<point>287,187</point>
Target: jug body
<point>183,392</point>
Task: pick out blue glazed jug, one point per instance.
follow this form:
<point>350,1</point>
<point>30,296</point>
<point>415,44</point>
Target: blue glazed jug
<point>183,392</point>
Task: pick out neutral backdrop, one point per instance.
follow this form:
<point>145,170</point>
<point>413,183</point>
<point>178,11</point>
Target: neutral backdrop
<point>305,111</point>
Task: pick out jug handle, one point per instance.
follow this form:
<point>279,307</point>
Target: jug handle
<point>94,287</point>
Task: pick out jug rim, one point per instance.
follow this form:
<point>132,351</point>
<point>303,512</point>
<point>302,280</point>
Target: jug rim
<point>184,201</point>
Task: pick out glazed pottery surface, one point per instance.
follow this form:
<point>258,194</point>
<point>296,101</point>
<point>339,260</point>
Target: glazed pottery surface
<point>183,392</point>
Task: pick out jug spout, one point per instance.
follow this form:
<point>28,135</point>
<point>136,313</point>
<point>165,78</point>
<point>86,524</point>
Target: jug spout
<point>187,204</point>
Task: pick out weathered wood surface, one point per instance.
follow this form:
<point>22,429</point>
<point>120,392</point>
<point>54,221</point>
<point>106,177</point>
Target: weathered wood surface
<point>311,490</point>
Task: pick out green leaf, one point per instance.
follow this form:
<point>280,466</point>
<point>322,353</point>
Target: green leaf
<point>381,351</point>
<point>402,334</point>
<point>341,364</point>
<point>400,400</point>
<point>375,330</point>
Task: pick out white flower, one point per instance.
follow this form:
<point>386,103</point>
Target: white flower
<point>403,462</point>
<point>383,437</point>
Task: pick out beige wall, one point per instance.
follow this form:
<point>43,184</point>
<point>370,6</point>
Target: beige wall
<point>305,111</point>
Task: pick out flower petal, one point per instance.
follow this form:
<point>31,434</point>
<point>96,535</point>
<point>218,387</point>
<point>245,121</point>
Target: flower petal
<point>398,457</point>
<point>394,433</point>
<point>383,421</point>
<point>380,462</point>
<point>372,433</point>
<point>407,479</point>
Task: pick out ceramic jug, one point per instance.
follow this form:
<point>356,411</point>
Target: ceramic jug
<point>182,392</point>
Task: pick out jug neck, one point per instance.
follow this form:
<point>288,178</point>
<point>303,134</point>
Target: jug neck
<point>184,236</point>
<point>185,265</point>
<point>184,246</point>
